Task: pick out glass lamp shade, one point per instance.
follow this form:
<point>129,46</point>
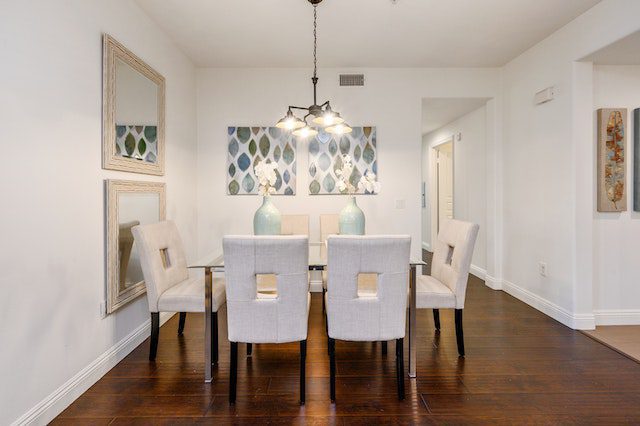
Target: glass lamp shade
<point>290,122</point>
<point>329,118</point>
<point>339,129</point>
<point>305,132</point>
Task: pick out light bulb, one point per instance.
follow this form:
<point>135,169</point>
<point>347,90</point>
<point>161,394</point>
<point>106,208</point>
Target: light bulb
<point>339,129</point>
<point>305,132</point>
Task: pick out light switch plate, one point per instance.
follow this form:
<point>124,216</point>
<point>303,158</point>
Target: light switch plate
<point>400,204</point>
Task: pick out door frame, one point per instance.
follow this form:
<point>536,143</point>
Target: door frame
<point>434,184</point>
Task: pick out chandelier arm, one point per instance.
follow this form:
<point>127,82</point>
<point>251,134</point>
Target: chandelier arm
<point>297,107</point>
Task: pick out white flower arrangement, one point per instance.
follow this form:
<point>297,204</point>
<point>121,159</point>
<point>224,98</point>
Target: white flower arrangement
<point>367,183</point>
<point>266,174</point>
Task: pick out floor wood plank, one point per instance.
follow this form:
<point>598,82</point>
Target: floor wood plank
<point>521,367</point>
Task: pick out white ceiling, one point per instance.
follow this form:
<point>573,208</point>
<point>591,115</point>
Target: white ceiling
<point>623,52</point>
<point>360,33</point>
<point>436,112</point>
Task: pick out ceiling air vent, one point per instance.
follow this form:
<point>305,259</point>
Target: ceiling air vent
<point>351,79</point>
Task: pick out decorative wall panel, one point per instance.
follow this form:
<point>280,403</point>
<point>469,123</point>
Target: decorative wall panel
<point>325,157</point>
<point>249,145</point>
<point>612,140</point>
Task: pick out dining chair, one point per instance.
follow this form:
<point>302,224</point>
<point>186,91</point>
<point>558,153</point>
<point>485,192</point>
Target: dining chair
<point>353,316</point>
<point>254,317</point>
<point>170,288</point>
<point>291,224</point>
<point>329,225</point>
<point>367,283</point>
<point>446,287</point>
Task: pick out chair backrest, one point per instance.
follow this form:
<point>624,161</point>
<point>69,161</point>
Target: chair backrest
<point>368,318</point>
<point>295,224</point>
<point>329,225</point>
<point>253,319</point>
<point>162,258</point>
<point>452,256</point>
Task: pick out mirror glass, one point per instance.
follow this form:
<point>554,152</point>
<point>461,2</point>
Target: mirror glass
<point>136,114</point>
<point>134,208</point>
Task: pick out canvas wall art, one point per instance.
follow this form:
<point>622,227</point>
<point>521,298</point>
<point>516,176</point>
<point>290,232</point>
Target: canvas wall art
<point>612,140</point>
<point>137,142</point>
<point>325,157</point>
<point>249,145</point>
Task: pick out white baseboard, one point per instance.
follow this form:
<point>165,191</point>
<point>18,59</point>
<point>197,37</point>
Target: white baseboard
<point>478,272</point>
<point>47,409</point>
<point>315,286</point>
<point>575,321</point>
<point>426,246</point>
<point>617,317</point>
<point>492,282</point>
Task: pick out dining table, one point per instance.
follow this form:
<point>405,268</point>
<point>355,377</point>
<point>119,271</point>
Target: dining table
<point>214,263</point>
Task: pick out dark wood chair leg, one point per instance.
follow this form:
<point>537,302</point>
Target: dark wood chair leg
<point>303,372</point>
<point>332,369</point>
<point>233,374</point>
<point>459,333</point>
<point>155,333</point>
<point>400,367</point>
<point>183,317</point>
<point>323,302</point>
<point>384,347</point>
<point>249,349</point>
<point>436,318</point>
<point>214,338</point>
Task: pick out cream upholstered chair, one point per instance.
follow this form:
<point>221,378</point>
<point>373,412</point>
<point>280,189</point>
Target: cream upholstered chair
<point>446,287</point>
<point>356,317</point>
<point>292,224</point>
<point>329,225</point>
<point>253,317</point>
<point>170,288</point>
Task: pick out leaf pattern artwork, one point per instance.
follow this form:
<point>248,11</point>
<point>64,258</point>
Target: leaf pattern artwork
<point>325,157</point>
<point>612,160</point>
<point>137,142</point>
<point>614,166</point>
<point>247,146</point>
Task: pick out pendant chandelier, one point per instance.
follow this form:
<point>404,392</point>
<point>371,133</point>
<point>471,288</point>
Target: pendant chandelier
<point>322,115</point>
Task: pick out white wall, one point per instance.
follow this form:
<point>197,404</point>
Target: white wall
<point>616,238</point>
<point>548,165</point>
<point>391,100</point>
<point>469,180</point>
<point>52,216</point>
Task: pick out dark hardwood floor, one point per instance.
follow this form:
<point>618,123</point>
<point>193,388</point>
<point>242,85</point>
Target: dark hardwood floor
<point>521,367</point>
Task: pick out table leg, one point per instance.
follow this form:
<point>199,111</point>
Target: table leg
<point>412,323</point>
<point>208,301</point>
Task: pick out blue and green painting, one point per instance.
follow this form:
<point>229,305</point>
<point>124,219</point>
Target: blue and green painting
<point>247,146</point>
<point>325,157</point>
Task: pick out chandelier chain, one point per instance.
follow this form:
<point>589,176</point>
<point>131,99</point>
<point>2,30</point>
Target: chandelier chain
<point>315,41</point>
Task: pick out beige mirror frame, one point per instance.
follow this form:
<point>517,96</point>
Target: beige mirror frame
<point>117,296</point>
<point>112,52</point>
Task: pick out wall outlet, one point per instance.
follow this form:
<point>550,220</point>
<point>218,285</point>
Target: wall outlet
<point>103,309</point>
<point>542,269</point>
<point>399,204</point>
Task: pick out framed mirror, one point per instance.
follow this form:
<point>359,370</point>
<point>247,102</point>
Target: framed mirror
<point>129,203</point>
<point>133,112</point>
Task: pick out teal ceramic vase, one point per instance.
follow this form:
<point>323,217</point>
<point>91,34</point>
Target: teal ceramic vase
<point>351,219</point>
<point>267,219</point>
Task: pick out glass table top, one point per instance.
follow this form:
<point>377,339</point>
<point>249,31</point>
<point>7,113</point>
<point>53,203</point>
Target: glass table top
<point>316,262</point>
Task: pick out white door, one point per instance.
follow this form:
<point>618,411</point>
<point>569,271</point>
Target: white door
<point>445,181</point>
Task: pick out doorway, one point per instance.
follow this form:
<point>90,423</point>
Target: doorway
<point>442,178</point>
